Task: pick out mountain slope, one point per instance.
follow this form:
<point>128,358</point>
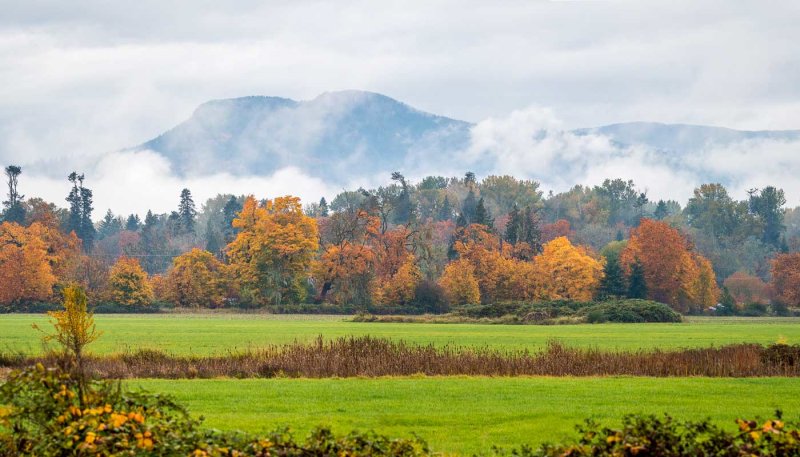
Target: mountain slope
<point>334,136</point>
<point>341,137</point>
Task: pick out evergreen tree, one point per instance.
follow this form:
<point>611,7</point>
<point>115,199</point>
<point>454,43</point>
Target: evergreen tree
<point>514,227</point>
<point>727,304</point>
<point>153,245</point>
<point>767,205</point>
<point>74,199</point>
<point>402,207</point>
<point>133,223</point>
<point>637,285</point>
<point>531,231</point>
<point>109,226</point>
<point>446,211</point>
<point>469,206</point>
<point>174,224</point>
<point>186,212</point>
<point>661,210</point>
<point>324,211</point>
<point>80,211</point>
<point>482,215</point>
<point>214,243</point>
<point>13,210</point>
<point>613,284</point>
<point>88,232</point>
<point>620,236</point>
<point>229,212</point>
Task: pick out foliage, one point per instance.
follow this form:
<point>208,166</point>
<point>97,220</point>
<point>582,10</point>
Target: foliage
<point>128,283</point>
<point>631,311</point>
<point>43,416</point>
<point>197,279</point>
<point>568,272</point>
<point>746,288</point>
<point>651,435</point>
<point>673,273</point>
<point>271,255</point>
<point>459,283</point>
<point>74,325</point>
<point>25,271</point>
<point>786,278</point>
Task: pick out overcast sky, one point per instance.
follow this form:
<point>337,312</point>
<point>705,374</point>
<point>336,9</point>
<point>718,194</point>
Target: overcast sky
<point>82,78</point>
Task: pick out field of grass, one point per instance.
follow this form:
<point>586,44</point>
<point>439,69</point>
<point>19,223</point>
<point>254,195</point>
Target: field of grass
<point>469,414</point>
<point>219,333</point>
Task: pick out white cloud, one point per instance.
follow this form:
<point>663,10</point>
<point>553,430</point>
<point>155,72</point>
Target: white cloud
<point>133,182</point>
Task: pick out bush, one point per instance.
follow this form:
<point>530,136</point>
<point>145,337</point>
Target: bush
<point>649,435</point>
<point>754,310</point>
<point>633,310</point>
<point>429,297</point>
<point>42,413</point>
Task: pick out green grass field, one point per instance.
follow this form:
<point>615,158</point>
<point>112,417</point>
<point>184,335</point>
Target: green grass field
<point>219,333</point>
<point>466,415</point>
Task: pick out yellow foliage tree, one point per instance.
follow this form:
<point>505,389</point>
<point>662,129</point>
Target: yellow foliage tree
<point>25,268</point>
<point>459,283</point>
<point>128,284</point>
<point>399,288</point>
<point>567,272</point>
<point>74,325</point>
<point>272,255</point>
<point>197,279</point>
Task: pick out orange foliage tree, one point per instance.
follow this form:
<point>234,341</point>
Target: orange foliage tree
<point>673,272</point>
<point>459,283</point>
<point>128,283</point>
<point>271,257</point>
<point>786,279</point>
<point>567,272</point>
<point>745,288</point>
<point>197,279</point>
<point>491,261</point>
<point>25,268</point>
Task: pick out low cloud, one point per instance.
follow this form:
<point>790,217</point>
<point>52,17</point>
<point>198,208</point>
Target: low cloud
<point>133,182</point>
<point>532,143</point>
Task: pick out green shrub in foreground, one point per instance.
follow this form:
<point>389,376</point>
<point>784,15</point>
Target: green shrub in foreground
<point>43,413</point>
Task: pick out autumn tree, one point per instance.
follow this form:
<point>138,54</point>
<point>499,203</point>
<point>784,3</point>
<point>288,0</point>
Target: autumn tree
<point>786,279</point>
<point>745,288</point>
<point>74,327</point>
<point>568,272</point>
<point>197,279</point>
<point>272,255</point>
<point>459,283</point>
<point>26,273</point>
<point>673,273</point>
<point>128,283</point>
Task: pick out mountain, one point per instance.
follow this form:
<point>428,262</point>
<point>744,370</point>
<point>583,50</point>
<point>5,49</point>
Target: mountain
<point>339,136</point>
<point>335,136</point>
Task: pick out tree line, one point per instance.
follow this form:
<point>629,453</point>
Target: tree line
<point>422,246</point>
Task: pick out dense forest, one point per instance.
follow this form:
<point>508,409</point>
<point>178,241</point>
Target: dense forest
<point>410,247</point>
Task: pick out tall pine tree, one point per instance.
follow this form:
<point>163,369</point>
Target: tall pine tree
<point>186,212</point>
<point>637,285</point>
<point>13,210</point>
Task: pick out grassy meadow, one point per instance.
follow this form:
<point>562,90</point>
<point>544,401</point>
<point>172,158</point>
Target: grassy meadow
<point>204,334</point>
<point>469,414</point>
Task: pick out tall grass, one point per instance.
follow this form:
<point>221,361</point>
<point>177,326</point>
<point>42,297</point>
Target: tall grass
<point>371,357</point>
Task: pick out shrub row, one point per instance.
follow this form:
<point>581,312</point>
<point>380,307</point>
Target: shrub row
<point>367,356</point>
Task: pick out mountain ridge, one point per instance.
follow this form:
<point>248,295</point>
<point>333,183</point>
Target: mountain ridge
<point>341,134</point>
